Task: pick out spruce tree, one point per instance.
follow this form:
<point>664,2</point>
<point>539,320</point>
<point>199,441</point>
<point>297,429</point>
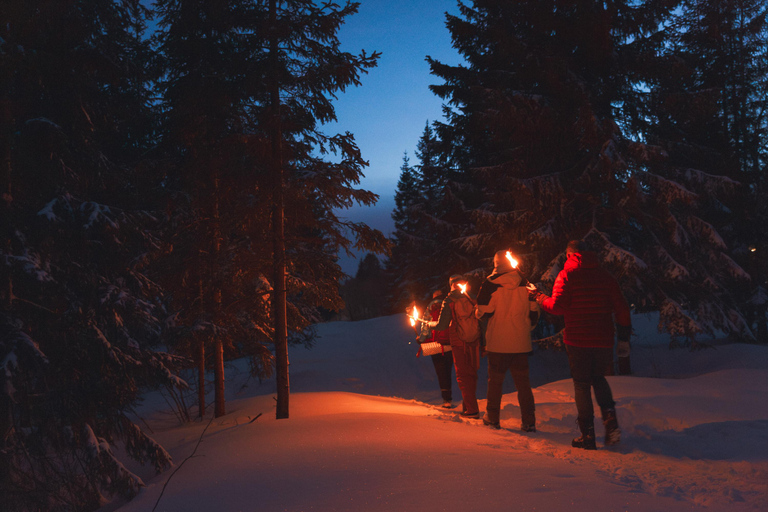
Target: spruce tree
<point>79,314</point>
<point>421,257</point>
<point>705,110</point>
<point>540,128</point>
<point>248,86</point>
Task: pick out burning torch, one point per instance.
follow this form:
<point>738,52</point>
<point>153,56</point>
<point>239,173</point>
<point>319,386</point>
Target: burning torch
<point>414,316</point>
<point>515,265</point>
<point>532,290</point>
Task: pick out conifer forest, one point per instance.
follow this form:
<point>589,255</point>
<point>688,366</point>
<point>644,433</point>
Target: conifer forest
<point>171,198</point>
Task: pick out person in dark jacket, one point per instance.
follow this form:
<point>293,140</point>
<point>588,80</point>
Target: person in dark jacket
<point>443,362</point>
<point>590,300</point>
<point>457,315</point>
<point>504,299</point>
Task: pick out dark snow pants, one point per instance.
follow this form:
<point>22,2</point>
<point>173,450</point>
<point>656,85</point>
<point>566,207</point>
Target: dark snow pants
<point>443,367</point>
<point>589,366</point>
<point>517,364</point>
<point>466,377</point>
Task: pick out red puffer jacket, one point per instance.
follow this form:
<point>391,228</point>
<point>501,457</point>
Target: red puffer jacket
<point>588,297</point>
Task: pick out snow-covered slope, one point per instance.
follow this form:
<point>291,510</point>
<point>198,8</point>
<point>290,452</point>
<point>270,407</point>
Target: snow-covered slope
<point>365,435</point>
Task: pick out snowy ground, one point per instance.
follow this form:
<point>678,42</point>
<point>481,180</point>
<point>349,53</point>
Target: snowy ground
<point>365,435</point>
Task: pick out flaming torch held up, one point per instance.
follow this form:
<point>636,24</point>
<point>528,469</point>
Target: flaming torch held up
<point>414,316</point>
<point>512,261</point>
<point>463,287</point>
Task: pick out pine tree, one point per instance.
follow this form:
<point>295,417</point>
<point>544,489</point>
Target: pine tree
<point>78,311</point>
<point>704,109</point>
<point>541,129</point>
<point>249,84</point>
<point>364,295</point>
<point>420,258</point>
<point>218,188</point>
<point>406,196</point>
<point>307,70</point>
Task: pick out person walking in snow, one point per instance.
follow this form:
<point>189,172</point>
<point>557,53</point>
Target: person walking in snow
<point>590,300</point>
<point>443,362</point>
<point>504,299</point>
<point>457,315</point>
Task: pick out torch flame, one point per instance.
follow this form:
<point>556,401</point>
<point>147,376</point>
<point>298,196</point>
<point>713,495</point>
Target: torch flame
<point>414,316</point>
<point>512,261</point>
<point>462,287</point>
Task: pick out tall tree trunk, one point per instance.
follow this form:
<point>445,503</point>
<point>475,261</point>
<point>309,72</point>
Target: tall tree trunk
<point>219,408</point>
<point>201,364</point>
<point>6,417</point>
<point>278,234</point>
<point>6,121</point>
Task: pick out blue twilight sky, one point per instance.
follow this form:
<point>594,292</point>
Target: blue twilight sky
<point>388,112</point>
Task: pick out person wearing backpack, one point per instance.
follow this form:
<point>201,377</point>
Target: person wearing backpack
<point>457,315</point>
<point>504,299</point>
<point>443,362</point>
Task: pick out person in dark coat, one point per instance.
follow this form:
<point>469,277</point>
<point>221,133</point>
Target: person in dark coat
<point>443,362</point>
<point>590,300</point>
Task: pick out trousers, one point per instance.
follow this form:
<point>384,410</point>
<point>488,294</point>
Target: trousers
<point>444,367</point>
<point>589,366</point>
<point>464,361</point>
<point>517,364</point>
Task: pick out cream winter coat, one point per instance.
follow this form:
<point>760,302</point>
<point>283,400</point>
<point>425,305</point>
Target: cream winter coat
<point>509,329</point>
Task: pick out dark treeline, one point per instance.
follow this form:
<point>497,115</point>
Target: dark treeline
<point>168,202</point>
<point>638,126</point>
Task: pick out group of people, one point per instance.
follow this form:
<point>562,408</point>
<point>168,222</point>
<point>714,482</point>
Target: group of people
<point>595,313</point>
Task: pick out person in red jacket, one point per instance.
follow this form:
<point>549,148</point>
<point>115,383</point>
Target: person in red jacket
<point>590,300</point>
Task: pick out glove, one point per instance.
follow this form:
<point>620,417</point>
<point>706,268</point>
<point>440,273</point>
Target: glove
<point>533,292</point>
<point>622,349</point>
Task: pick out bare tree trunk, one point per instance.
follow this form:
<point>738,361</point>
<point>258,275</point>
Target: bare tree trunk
<point>201,365</point>
<point>6,416</point>
<point>219,408</point>
<point>278,233</point>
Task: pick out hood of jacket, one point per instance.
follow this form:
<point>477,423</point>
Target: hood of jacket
<point>507,279</point>
<point>586,259</point>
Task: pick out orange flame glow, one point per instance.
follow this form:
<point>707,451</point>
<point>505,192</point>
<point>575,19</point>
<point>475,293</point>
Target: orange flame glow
<point>462,287</point>
<point>414,316</point>
<point>512,261</point>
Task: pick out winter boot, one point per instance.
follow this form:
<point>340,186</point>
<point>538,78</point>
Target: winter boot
<point>587,439</point>
<point>612,430</point>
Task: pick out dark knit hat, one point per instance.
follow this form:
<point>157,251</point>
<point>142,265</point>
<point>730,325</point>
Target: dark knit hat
<point>456,278</point>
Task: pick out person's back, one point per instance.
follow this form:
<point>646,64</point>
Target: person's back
<point>509,329</point>
<point>465,345</point>
<point>587,296</point>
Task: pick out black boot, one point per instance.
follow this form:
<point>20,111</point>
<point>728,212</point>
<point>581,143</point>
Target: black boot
<point>612,430</point>
<point>587,439</point>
